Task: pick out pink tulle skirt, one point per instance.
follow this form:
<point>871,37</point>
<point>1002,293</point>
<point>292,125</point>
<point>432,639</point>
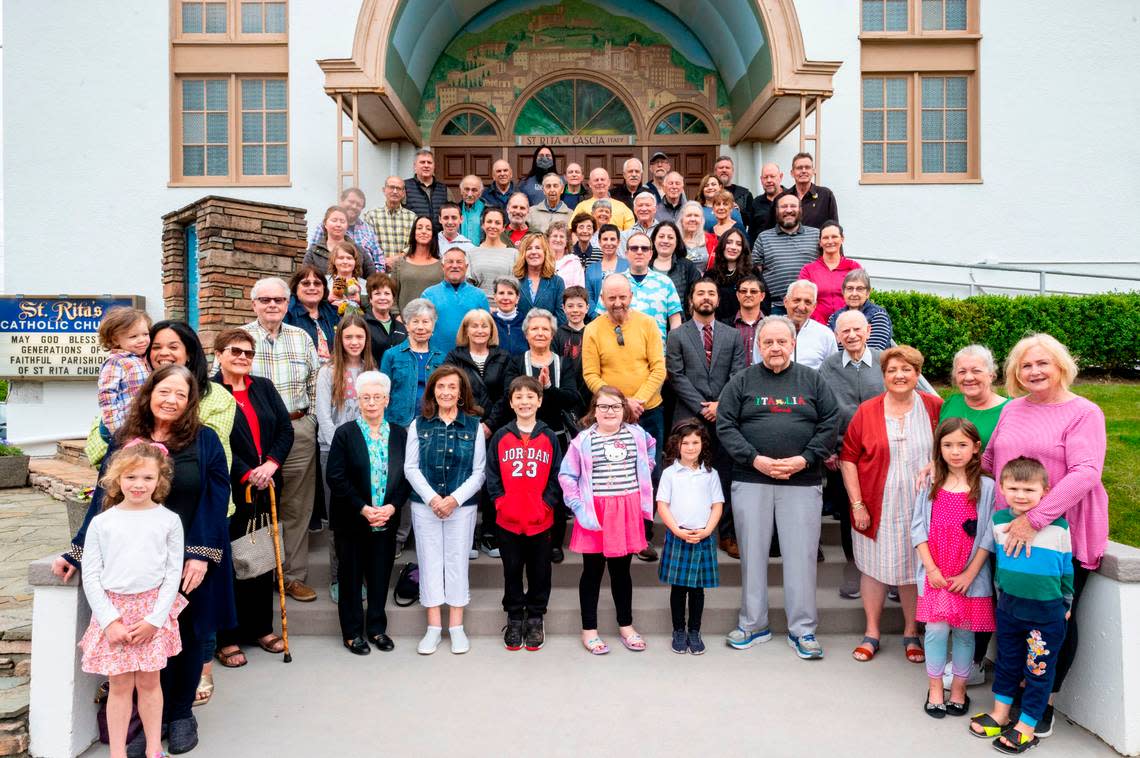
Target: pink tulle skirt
<point>101,657</point>
<point>623,528</point>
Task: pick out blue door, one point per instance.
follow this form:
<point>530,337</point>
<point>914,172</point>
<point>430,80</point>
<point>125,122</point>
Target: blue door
<point>191,275</point>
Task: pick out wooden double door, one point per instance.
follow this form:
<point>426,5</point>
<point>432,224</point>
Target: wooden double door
<point>454,163</point>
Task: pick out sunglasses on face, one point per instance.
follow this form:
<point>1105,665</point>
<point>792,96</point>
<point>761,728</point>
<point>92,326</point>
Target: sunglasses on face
<point>638,248</point>
<point>237,352</point>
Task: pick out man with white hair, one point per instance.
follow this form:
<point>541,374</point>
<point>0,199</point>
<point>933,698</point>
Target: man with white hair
<point>631,172</point>
<point>502,185</point>
<point>621,216</point>
<point>854,375</point>
<point>645,211</point>
<point>814,341</point>
<point>551,208</point>
<point>669,208</point>
<point>777,420</point>
<point>286,356</point>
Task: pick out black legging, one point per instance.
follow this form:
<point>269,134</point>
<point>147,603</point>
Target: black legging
<point>180,677</point>
<point>590,585</point>
<point>696,597</point>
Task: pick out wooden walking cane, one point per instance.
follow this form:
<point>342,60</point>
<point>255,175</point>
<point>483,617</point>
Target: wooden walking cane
<point>280,573</point>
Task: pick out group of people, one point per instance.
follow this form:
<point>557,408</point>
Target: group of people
<point>510,363</point>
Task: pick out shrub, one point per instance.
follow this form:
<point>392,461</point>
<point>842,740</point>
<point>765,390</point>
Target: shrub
<point>1101,331</point>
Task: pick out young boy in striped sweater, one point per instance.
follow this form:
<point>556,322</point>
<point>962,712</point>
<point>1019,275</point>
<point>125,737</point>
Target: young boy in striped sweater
<point>1035,592</point>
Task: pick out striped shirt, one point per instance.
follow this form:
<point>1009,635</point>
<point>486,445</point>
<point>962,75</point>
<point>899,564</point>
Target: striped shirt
<point>1037,585</point>
<point>780,255</point>
<point>392,229</point>
<point>363,235</point>
<point>289,360</point>
<point>614,463</point>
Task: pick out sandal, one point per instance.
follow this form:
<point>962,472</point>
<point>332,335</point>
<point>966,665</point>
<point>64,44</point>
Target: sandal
<point>226,659</point>
<point>596,646</point>
<point>634,643</point>
<point>990,728</point>
<point>867,649</point>
<point>1013,742</point>
<point>274,645</point>
<point>205,689</point>
<point>914,650</point>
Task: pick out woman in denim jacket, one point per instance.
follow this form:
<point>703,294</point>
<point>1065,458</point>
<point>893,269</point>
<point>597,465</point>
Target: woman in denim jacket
<point>445,462</point>
<point>410,363</point>
<point>605,478</point>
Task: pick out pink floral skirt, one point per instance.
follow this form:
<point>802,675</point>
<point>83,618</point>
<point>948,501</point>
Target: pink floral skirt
<point>623,529</point>
<point>101,657</point>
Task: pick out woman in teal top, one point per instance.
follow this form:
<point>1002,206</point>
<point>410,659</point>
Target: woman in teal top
<point>973,374</point>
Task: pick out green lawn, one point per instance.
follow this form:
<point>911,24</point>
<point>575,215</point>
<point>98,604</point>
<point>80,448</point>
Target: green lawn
<point>1120,402</point>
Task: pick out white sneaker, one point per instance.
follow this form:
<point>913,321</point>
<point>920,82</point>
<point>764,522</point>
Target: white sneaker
<point>977,675</point>
<point>430,640</point>
<point>459,642</point>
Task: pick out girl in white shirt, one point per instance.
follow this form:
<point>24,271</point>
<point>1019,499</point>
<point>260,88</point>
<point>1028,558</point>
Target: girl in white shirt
<point>132,564</point>
<point>689,499</point>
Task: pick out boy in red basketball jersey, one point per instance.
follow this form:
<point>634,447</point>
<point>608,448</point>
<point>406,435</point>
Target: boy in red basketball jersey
<point>522,479</point>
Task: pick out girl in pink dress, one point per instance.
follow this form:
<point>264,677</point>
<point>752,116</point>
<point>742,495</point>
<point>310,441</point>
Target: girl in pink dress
<point>132,565</point>
<point>951,531</point>
<point>605,478</point>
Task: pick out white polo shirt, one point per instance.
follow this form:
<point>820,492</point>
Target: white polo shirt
<point>690,494</point>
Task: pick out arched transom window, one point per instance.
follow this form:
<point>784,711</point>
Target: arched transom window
<point>681,122</point>
<point>574,106</point>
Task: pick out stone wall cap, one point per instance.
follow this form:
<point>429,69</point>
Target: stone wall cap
<point>39,574</point>
<point>1120,563</point>
<point>237,201</point>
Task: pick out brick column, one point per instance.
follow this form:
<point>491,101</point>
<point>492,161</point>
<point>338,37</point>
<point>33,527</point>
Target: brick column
<point>239,242</point>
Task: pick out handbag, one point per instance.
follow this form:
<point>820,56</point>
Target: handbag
<point>253,553</point>
<point>407,587</point>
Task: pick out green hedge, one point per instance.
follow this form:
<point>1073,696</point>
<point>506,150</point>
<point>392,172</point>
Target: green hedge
<point>1101,331</point>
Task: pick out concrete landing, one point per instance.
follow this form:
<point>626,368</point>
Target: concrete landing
<point>562,702</point>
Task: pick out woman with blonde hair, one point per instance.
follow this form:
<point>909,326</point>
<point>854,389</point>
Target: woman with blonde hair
<point>1046,421</point>
<point>538,285</point>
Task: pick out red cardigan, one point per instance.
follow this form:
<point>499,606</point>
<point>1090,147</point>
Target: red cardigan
<point>865,444</point>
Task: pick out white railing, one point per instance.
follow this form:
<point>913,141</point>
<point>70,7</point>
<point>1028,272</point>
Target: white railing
<point>965,279</point>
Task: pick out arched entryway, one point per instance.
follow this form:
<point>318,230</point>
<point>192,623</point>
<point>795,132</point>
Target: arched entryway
<point>460,73</point>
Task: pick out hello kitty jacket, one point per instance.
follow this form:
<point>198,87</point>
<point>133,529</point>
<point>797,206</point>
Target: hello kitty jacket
<point>576,475</point>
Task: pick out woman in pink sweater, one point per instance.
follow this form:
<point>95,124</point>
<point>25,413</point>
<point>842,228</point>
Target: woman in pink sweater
<point>1046,421</point>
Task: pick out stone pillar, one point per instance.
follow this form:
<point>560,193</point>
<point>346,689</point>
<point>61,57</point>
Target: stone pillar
<point>239,242</point>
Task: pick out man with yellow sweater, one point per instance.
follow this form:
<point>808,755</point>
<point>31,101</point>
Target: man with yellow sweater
<point>622,348</point>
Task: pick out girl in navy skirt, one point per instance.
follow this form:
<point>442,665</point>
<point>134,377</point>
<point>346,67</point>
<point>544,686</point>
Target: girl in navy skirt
<point>689,499</point>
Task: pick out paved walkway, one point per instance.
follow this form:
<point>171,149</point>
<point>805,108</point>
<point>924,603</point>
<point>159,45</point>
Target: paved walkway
<point>32,525</point>
<point>561,702</point>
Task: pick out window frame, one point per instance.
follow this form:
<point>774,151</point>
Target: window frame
<point>914,25</point>
<point>235,175</point>
<point>914,173</point>
<point>233,33</point>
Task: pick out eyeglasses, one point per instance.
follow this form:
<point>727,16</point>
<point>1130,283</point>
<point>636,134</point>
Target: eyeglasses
<point>748,291</point>
<point>270,300</point>
<point>620,336</point>
<point>608,407</point>
<point>854,288</point>
<point>638,248</point>
<point>237,352</point>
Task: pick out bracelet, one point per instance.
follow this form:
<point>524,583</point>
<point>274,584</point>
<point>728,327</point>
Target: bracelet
<point>858,506</point>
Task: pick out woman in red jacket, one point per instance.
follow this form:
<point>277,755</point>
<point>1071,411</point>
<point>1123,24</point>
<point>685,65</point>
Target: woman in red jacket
<point>890,438</point>
<point>522,480</point>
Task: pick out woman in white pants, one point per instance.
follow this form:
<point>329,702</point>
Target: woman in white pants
<point>445,464</point>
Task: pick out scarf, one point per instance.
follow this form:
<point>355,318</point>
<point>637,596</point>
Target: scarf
<point>377,462</point>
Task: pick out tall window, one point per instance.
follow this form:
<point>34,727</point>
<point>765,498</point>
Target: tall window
<point>919,100</point>
<point>230,126</point>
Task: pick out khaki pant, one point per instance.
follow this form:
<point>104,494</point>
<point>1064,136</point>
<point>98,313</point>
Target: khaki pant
<point>295,506</point>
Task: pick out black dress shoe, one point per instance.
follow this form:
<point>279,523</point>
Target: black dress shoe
<point>556,555</point>
<point>357,646</point>
<point>382,642</point>
<point>649,554</point>
<point>183,735</point>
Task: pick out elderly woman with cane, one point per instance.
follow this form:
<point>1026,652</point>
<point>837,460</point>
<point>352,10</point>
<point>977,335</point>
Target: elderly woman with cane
<point>366,475</point>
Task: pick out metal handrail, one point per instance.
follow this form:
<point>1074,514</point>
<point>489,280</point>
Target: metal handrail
<point>1041,274</point>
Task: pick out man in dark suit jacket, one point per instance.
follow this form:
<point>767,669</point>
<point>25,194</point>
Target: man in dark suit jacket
<point>699,367</point>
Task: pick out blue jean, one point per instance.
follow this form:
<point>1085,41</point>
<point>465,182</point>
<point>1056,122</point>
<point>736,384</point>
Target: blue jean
<point>938,634</point>
<point>1027,650</point>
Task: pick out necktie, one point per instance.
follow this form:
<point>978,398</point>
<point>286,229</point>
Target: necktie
<point>708,344</point>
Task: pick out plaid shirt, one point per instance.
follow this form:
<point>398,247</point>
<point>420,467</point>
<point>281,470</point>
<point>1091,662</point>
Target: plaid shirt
<point>392,229</point>
<point>363,235</point>
<point>122,376</point>
<point>289,361</point>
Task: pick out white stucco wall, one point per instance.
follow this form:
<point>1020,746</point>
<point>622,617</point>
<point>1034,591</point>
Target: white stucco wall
<point>1052,81</point>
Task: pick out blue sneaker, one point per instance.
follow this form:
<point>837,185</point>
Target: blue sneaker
<point>806,647</point>
<point>680,641</point>
<point>742,640</point>
<point>696,644</point>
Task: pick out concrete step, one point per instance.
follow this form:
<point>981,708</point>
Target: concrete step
<point>485,617</point>
<point>486,571</point>
<point>72,451</point>
<point>60,479</point>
